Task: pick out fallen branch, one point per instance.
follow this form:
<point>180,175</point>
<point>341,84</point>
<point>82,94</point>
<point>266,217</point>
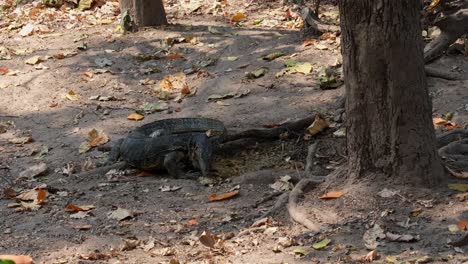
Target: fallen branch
<point>451,27</point>
<point>294,196</point>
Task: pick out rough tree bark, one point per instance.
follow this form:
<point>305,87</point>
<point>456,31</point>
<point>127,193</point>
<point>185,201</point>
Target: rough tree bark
<point>388,108</point>
<point>144,13</point>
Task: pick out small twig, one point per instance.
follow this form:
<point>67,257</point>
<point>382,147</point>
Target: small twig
<point>253,229</point>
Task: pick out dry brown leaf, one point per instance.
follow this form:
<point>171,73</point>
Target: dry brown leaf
<point>4,70</point>
<point>34,60</point>
<point>166,83</point>
<point>135,116</point>
<point>76,208</point>
<point>18,259</point>
<point>463,224</point>
<point>175,56</point>
<point>215,197</point>
<point>192,222</point>
<point>41,196</point>
<point>317,126</point>
<point>82,227</point>
<point>9,192</point>
<point>328,36</point>
<point>88,74</point>
<point>84,147</point>
<point>97,138</point>
<point>309,42</point>
<point>207,239</point>
<point>238,17</point>
<point>185,90</point>
<point>439,121</point>
<point>21,140</point>
<point>331,195</point>
<point>371,256</point>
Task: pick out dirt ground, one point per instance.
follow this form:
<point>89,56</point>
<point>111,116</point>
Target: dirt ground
<point>56,104</point>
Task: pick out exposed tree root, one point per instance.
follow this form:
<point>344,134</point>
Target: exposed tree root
<point>311,150</point>
<point>437,73</point>
<point>312,22</point>
<point>279,206</point>
<point>451,27</point>
<point>451,136</point>
<point>455,154</point>
<point>293,208</point>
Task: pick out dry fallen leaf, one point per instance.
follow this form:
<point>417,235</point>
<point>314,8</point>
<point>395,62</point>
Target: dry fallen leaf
<point>192,222</point>
<point>135,116</point>
<point>401,238</point>
<point>317,126</point>
<point>34,60</point>
<point>82,227</point>
<point>207,239</point>
<point>371,256</point>
<point>97,137</point>
<point>175,56</point>
<point>215,197</point>
<point>21,140</point>
<point>17,259</point>
<point>331,195</point>
<point>120,214</point>
<point>41,196</point>
<point>238,17</point>
<point>463,224</point>
<point>72,96</point>
<point>4,70</point>
<point>308,42</point>
<point>373,236</point>
<point>75,208</point>
<point>33,171</point>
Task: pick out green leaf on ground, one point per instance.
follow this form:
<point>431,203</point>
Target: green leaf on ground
<point>273,56</point>
<point>459,187</point>
<point>321,244</point>
<point>257,73</point>
<point>290,63</point>
<point>304,68</point>
<point>232,58</point>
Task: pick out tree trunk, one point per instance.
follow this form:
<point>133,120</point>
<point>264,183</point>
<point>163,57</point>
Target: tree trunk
<point>388,108</point>
<point>144,13</point>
